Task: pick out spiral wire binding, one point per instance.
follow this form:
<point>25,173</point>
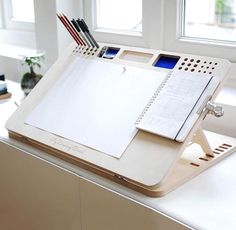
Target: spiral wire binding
<point>153,98</point>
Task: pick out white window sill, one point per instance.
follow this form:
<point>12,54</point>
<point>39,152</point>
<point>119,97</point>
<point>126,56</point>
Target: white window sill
<point>227,96</point>
<point>18,37</point>
<point>15,52</point>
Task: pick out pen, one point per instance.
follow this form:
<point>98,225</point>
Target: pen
<point>76,26</point>
<point>85,33</point>
<point>69,30</point>
<point>87,30</point>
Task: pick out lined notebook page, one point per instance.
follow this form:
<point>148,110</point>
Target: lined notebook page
<point>172,111</point>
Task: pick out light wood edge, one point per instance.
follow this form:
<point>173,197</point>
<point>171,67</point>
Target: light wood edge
<point>179,174</point>
<point>5,96</point>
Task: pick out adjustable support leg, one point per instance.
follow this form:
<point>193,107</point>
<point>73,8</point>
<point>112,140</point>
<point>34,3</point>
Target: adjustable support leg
<point>200,138</point>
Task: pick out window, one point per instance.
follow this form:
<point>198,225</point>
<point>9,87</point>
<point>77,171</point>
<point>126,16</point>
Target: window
<point>22,10</point>
<point>180,35</point>
<point>217,20</point>
<point>19,14</point>
<point>109,16</point>
<point>17,22</point>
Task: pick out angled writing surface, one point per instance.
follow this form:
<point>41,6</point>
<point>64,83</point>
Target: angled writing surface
<point>173,109</point>
<point>96,104</point>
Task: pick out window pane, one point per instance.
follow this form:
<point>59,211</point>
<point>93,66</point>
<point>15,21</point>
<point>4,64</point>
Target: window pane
<point>212,19</point>
<point>23,10</point>
<point>119,15</point>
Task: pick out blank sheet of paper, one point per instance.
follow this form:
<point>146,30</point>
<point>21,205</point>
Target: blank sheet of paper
<point>96,104</point>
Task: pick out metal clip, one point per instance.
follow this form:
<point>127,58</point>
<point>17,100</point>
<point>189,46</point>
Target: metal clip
<point>214,109</point>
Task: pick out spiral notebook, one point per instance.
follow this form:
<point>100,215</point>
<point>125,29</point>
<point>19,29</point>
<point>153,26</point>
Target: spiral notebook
<point>174,107</point>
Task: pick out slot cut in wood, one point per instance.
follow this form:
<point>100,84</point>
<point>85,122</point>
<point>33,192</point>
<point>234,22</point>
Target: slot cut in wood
<point>136,56</point>
<point>222,147</point>
<point>220,150</point>
<point>194,164</point>
<point>216,152</point>
<point>166,61</point>
<point>204,159</point>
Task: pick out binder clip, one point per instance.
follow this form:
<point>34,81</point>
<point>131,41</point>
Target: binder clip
<point>209,107</point>
<point>214,109</point>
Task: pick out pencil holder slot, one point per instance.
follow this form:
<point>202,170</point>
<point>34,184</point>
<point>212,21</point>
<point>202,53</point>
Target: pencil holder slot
<point>135,56</point>
<point>166,61</point>
<point>108,52</point>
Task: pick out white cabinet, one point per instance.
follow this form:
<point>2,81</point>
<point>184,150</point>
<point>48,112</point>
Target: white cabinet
<point>37,195</point>
<point>103,209</point>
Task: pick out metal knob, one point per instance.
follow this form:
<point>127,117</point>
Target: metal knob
<point>214,109</point>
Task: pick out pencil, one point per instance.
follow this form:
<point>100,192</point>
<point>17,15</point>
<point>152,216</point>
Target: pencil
<point>75,37</point>
<point>73,29</point>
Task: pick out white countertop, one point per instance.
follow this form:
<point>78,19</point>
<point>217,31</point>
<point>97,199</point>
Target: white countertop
<point>206,202</point>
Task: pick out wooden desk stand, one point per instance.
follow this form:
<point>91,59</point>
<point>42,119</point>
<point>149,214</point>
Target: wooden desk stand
<point>151,164</point>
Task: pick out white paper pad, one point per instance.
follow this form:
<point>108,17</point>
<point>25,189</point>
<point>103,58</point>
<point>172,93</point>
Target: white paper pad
<point>96,104</point>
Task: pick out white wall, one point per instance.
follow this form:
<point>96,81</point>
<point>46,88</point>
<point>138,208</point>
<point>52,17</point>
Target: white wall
<point>51,36</point>
<point>9,67</point>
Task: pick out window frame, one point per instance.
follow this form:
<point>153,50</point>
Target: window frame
<point>10,23</point>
